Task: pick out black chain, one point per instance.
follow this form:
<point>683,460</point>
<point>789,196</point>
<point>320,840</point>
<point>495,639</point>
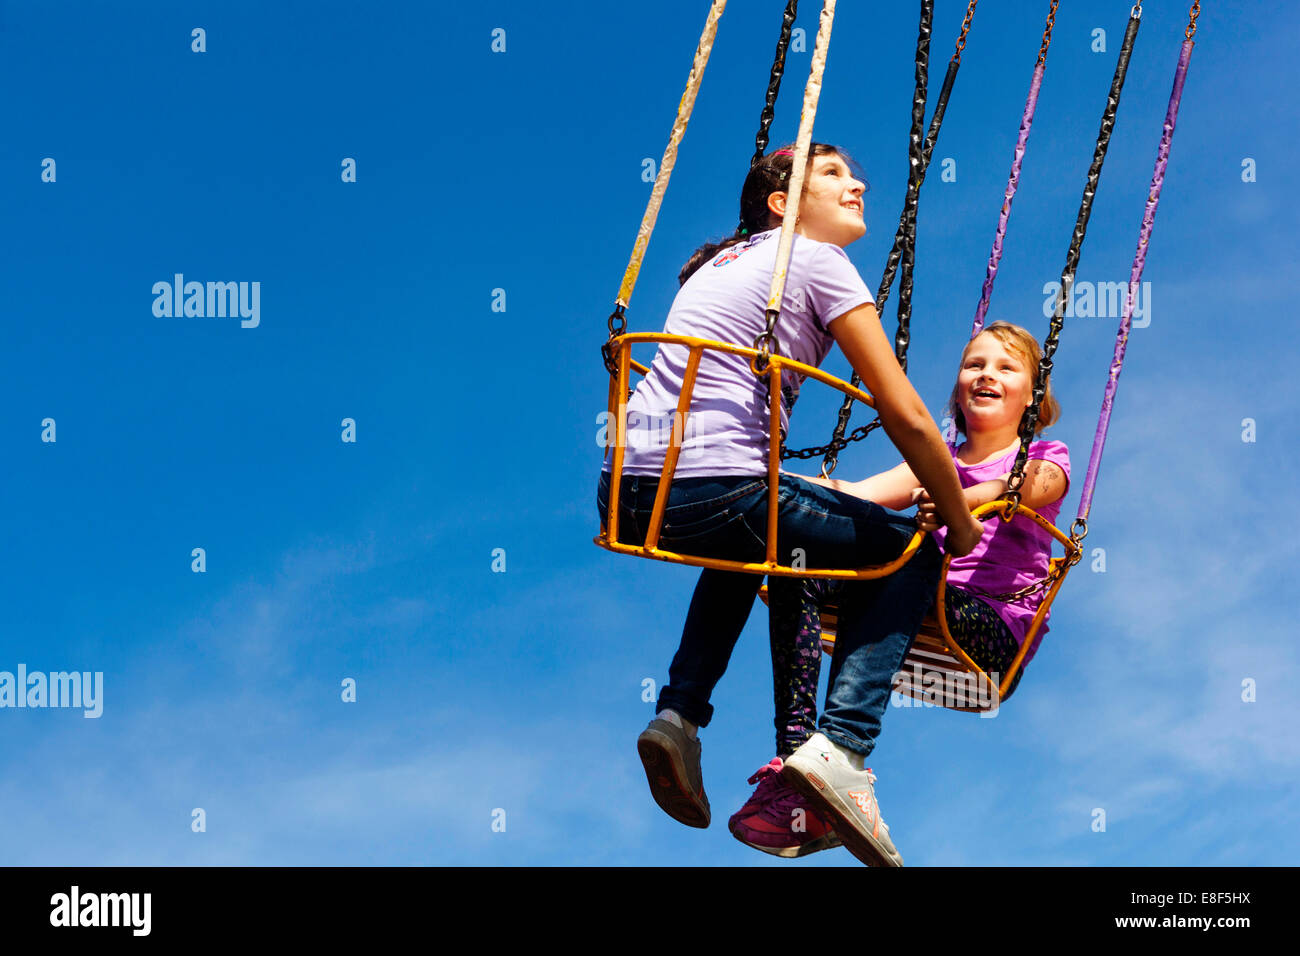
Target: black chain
<point>920,90</point>
<point>836,444</point>
<point>903,251</point>
<point>903,336</point>
<point>774,84</point>
<point>1030,420</point>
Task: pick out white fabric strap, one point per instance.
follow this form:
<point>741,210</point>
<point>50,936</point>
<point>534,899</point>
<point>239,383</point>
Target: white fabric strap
<point>670,152</point>
<point>812,91</point>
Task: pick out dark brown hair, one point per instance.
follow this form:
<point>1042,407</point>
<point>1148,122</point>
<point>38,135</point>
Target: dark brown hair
<point>769,175</point>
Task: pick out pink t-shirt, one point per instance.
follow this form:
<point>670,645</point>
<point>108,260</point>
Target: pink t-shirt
<point>725,300</point>
<point>1011,554</point>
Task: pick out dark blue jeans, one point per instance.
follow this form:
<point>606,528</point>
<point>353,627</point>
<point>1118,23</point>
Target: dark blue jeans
<point>726,517</point>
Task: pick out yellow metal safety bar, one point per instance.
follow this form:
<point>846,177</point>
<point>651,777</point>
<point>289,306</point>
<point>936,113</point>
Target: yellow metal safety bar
<point>934,631</point>
<point>1057,569</point>
<point>618,392</point>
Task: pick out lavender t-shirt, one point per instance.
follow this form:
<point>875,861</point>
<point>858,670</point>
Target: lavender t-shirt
<point>1011,554</point>
<point>726,298</point>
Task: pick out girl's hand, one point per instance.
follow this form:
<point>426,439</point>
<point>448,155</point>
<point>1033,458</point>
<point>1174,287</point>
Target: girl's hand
<point>962,541</point>
<point>958,541</point>
<point>927,515</point>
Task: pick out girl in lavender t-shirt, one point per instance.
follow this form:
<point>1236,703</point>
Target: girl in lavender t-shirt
<point>994,386</point>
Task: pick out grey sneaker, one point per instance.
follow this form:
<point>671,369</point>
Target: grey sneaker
<point>671,759</point>
<point>846,797</point>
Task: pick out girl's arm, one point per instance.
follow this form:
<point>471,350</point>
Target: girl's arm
<point>890,489</point>
<point>906,421</point>
<point>1044,483</point>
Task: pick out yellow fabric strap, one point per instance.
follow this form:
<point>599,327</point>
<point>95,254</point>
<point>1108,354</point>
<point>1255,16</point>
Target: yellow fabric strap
<point>670,153</point>
<point>811,93</point>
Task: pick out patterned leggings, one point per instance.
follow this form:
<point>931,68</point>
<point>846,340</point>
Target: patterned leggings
<point>795,631</point>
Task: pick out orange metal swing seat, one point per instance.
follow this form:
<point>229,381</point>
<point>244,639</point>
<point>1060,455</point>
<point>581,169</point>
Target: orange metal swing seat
<point>618,394</point>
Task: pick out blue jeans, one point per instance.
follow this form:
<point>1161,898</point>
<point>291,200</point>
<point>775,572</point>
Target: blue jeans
<point>726,517</point>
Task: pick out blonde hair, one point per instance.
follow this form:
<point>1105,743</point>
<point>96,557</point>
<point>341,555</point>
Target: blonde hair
<point>1019,342</point>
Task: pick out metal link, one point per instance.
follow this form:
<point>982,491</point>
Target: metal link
<point>965,29</point>
<point>1191,23</point>
<point>766,344</point>
<point>1047,32</point>
<point>617,326</point>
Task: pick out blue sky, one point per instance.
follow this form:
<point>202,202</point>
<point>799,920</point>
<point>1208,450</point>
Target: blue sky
<point>521,170</point>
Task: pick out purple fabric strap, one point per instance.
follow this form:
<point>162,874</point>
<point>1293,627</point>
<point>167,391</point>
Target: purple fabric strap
<point>995,256</point>
<point>1135,278</point>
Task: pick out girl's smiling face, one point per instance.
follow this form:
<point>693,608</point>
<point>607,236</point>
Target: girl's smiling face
<point>995,385</point>
<point>832,207</point>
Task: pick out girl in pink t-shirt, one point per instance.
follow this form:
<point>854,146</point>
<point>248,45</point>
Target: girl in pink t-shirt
<point>994,387</point>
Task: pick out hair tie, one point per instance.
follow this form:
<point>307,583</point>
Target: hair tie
<point>744,231</point>
<point>784,152</point>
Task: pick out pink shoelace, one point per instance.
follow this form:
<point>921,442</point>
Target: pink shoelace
<point>765,772</point>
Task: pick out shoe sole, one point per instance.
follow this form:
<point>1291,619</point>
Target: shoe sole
<point>826,800</point>
<point>665,771</point>
<point>827,842</point>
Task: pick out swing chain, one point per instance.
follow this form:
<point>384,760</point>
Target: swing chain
<point>1078,531</point>
<point>1191,24</point>
<point>828,451</point>
<point>617,326</point>
<point>918,157</point>
<point>1041,584</point>
<point>965,28</point>
<point>774,83</point>
<point>1047,33</point>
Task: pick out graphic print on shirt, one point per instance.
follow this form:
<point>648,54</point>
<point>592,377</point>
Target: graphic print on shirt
<point>732,253</point>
